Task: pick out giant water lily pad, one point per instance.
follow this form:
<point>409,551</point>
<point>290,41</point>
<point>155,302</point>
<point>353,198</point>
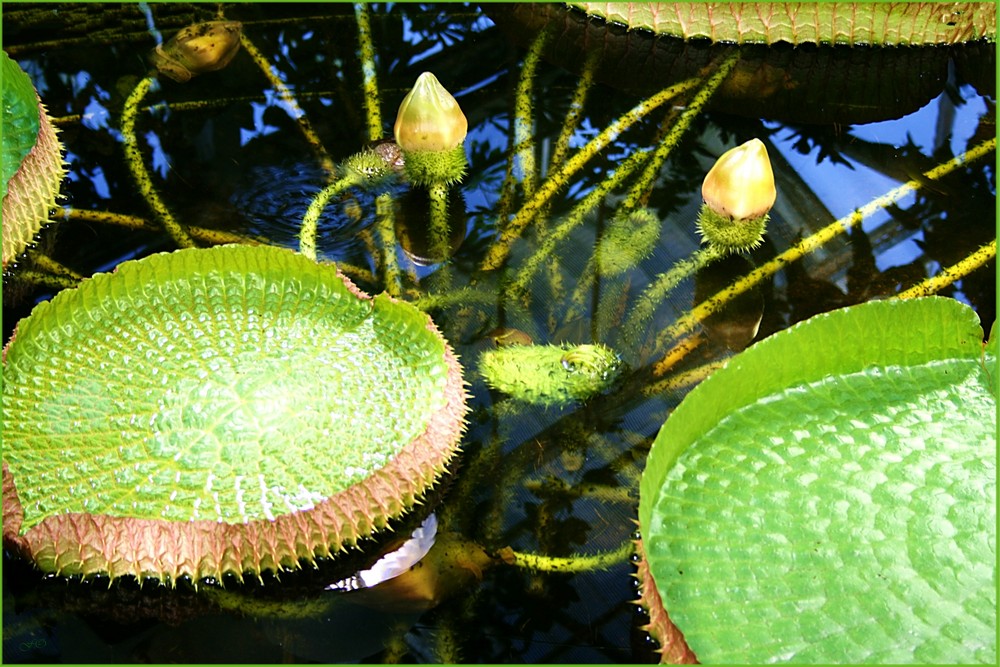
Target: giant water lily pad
<point>229,410</point>
<point>830,495</point>
<point>30,161</point>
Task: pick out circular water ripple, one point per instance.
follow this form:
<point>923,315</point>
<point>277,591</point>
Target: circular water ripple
<point>274,199</point>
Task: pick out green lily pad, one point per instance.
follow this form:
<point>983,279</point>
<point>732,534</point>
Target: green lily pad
<point>30,160</point>
<point>830,495</point>
<point>20,118</point>
<point>228,410</point>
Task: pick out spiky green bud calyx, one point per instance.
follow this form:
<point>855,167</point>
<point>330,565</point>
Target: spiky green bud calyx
<point>369,168</point>
<point>731,235</point>
<point>738,192</point>
<point>427,168</point>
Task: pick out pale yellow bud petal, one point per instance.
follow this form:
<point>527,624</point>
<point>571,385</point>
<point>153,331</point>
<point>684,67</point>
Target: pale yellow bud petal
<point>741,184</point>
<point>429,118</point>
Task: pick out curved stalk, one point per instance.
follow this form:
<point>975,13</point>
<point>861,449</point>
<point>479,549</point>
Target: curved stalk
<point>133,157</point>
<point>310,222</point>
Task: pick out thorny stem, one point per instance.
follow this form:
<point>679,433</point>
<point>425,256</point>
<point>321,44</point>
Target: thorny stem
<point>677,131</point>
<point>47,279</point>
<point>660,289</point>
<point>546,249</point>
<point>509,233</point>
<point>575,112</point>
<point>373,111</point>
<point>440,230</point>
<point>524,138</point>
<point>216,236</point>
<point>714,304</point>
<point>950,274</point>
<point>575,563</point>
<point>310,222</point>
<point>515,143</point>
<point>133,156</point>
<point>46,263</point>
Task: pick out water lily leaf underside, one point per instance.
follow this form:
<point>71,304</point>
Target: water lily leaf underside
<point>850,23</point>
<point>830,495</point>
<point>228,410</point>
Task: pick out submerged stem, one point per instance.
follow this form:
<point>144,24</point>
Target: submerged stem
<point>575,563</point>
<point>500,249</point>
<point>524,138</point>
<point>548,246</point>
<point>662,286</point>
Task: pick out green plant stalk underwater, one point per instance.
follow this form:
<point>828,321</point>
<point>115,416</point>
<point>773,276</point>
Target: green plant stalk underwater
<point>522,374</point>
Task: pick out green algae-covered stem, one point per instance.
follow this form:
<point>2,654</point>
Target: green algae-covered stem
<point>575,111</point>
<point>693,318</point>
<point>524,138</point>
<point>326,162</point>
<point>216,236</point>
<point>373,111</point>
<point>673,137</point>
<point>133,156</point>
<point>500,249</point>
<point>310,222</point>
<point>440,231</point>
<point>522,119</point>
<point>55,281</point>
<point>385,225</point>
<point>46,263</point>
<point>661,288</point>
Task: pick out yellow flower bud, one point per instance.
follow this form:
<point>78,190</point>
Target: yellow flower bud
<point>429,118</point>
<point>740,185</point>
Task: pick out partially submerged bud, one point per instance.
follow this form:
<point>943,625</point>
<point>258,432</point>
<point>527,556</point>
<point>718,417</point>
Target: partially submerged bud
<point>198,48</point>
<point>741,184</point>
<point>738,192</point>
<point>429,118</point>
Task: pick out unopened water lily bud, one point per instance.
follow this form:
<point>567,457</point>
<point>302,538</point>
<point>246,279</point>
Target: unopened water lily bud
<point>741,184</point>
<point>738,192</point>
<point>430,129</point>
<point>429,118</point>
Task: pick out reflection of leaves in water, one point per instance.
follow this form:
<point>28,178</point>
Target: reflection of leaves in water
<point>810,139</point>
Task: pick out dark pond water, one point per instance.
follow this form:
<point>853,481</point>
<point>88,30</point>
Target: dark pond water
<point>226,154</point>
